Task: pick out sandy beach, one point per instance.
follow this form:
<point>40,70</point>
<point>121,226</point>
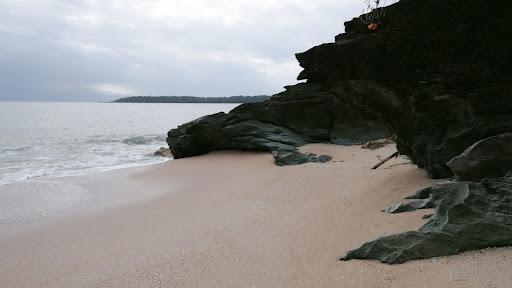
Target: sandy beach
<point>232,219</point>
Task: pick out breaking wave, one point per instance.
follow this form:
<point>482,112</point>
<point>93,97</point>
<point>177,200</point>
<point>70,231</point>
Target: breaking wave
<point>144,140</point>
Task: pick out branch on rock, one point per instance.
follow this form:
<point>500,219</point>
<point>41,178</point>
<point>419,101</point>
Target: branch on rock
<point>395,155</point>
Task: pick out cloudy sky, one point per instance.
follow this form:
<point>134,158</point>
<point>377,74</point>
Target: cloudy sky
<point>88,50</point>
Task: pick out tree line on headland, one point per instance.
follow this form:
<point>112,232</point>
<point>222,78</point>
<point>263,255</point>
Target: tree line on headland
<point>192,99</point>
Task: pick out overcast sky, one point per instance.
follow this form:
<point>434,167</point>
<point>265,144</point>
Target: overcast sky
<point>88,50</point>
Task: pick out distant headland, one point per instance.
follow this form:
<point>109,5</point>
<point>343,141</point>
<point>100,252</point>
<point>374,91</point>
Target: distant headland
<point>192,99</point>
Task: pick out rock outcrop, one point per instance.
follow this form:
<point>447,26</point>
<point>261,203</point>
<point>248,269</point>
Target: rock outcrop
<point>441,75</point>
<point>164,152</point>
<point>488,158</point>
<point>438,75</point>
<point>448,61</point>
<point>304,113</point>
<point>468,216</point>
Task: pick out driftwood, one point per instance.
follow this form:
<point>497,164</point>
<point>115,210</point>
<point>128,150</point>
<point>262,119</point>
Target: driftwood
<point>395,155</point>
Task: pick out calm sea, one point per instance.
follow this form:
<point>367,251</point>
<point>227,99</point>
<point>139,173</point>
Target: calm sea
<point>38,139</point>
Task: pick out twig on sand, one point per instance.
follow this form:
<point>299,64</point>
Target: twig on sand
<point>395,155</point>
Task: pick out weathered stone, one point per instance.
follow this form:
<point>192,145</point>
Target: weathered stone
<point>468,216</point>
<point>447,61</point>
<point>409,206</point>
<point>294,157</point>
<point>164,152</point>
<point>488,158</point>
<point>302,114</point>
<point>434,70</point>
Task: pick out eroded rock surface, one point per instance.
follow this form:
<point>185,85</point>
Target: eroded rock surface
<point>441,75</point>
<point>304,113</point>
<point>446,60</point>
<point>488,158</point>
<point>468,216</point>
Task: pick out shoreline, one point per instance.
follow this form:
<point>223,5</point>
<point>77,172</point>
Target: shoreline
<point>90,170</point>
<point>233,219</point>
<point>96,183</point>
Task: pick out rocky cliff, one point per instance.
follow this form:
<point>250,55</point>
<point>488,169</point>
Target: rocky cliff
<point>437,71</point>
<point>449,64</point>
<point>438,74</point>
<point>348,113</point>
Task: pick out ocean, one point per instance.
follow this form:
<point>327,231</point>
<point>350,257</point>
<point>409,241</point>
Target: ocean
<point>61,139</point>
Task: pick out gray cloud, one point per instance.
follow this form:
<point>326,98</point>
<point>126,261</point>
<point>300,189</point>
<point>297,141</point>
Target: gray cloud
<point>99,50</point>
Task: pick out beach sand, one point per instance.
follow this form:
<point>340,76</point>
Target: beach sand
<point>231,219</point>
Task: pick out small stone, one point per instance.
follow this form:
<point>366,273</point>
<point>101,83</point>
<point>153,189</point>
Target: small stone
<point>164,152</point>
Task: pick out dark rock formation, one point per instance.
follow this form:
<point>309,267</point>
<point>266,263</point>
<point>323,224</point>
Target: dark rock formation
<point>304,113</point>
<point>439,74</point>
<point>468,216</point>
<point>448,61</point>
<point>488,158</point>
<point>442,79</point>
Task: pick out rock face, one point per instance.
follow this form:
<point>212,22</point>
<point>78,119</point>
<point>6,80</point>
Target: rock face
<point>304,113</point>
<point>468,216</point>
<point>447,61</point>
<point>488,158</point>
<point>440,74</point>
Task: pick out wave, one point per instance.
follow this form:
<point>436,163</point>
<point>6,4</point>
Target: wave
<point>17,149</point>
<point>71,157</point>
<point>143,140</point>
<point>130,140</point>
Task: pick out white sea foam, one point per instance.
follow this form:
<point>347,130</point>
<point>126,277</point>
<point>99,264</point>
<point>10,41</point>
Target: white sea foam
<point>39,139</point>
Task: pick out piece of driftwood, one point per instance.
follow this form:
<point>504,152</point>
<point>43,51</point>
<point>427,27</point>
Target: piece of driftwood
<point>396,154</point>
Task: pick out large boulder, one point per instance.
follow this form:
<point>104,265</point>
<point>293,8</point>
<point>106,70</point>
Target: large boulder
<point>468,216</point>
<point>304,113</point>
<point>488,158</point>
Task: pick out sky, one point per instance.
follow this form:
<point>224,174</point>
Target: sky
<point>88,50</point>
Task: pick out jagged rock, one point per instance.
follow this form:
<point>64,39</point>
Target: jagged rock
<point>446,60</point>
<point>488,158</point>
<point>302,114</point>
<point>293,157</point>
<point>436,70</point>
<point>468,216</point>
<point>409,206</point>
<point>164,152</point>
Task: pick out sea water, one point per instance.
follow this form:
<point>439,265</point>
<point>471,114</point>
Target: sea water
<point>59,139</point>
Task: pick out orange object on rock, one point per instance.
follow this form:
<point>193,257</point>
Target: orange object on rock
<point>373,26</point>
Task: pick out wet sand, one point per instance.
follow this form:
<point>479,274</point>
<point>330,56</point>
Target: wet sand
<point>233,219</point>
